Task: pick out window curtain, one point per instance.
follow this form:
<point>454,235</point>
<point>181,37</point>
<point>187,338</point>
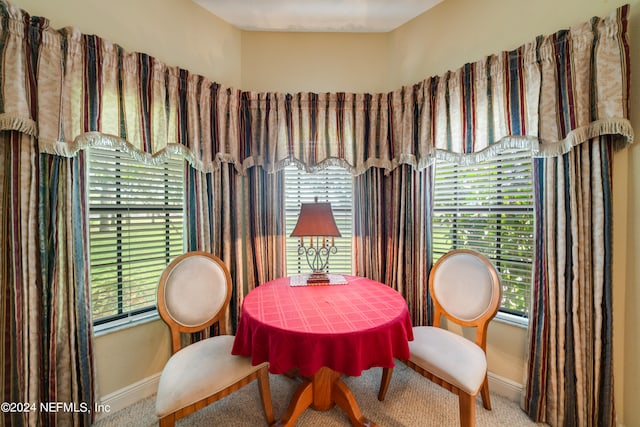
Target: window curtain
<point>584,81</point>
<point>66,334</point>
<point>392,233</point>
<point>44,287</point>
<point>239,218</point>
<point>21,280</point>
<point>571,362</point>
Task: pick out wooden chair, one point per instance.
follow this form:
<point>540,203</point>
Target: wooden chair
<point>465,288</point>
<point>194,293</point>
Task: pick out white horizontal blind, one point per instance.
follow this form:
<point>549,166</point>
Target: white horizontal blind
<point>334,185</point>
<point>489,207</point>
<point>135,230</point>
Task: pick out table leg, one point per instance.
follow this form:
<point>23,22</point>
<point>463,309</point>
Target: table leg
<point>300,401</point>
<point>345,400</point>
<point>325,390</point>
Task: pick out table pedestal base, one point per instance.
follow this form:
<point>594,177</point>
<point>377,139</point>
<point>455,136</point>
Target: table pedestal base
<point>324,390</point>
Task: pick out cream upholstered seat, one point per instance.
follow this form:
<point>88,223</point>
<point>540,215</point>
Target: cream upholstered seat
<point>193,294</point>
<point>465,288</point>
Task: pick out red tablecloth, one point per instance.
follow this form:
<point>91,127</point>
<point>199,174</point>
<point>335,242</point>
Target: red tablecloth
<point>348,328</point>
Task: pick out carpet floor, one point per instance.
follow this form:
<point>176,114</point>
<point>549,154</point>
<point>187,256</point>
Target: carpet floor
<point>411,401</point>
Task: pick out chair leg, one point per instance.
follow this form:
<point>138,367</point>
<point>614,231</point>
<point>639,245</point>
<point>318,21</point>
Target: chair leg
<point>384,382</point>
<point>265,395</point>
<point>484,391</point>
<point>467,406</point>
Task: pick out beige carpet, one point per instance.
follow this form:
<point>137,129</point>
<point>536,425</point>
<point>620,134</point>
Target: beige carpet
<point>411,401</point>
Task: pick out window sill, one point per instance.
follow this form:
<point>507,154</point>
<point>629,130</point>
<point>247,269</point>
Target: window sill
<point>510,319</point>
<point>118,325</point>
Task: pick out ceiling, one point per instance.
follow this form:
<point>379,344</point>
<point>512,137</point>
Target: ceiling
<point>317,15</point>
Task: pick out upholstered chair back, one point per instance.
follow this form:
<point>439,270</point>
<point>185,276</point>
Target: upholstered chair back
<point>193,293</point>
<point>465,288</point>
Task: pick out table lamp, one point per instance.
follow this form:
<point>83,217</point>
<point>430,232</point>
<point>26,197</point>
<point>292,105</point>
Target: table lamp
<point>317,223</point>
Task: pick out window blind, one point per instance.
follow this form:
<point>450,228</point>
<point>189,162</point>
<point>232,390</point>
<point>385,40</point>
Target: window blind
<point>334,185</point>
<point>489,207</point>
<point>135,230</point>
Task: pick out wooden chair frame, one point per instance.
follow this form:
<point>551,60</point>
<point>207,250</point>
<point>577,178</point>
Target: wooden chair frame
<point>466,401</point>
<point>262,375</point>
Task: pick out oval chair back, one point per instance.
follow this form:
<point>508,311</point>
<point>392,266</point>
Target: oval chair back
<point>465,288</point>
<point>193,293</point>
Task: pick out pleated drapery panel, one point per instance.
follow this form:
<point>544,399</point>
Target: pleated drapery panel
<point>570,365</point>
<point>20,277</point>
<point>72,90</point>
<point>264,216</point>
<point>570,370</point>
<point>67,334</point>
<point>392,233</point>
<point>44,288</point>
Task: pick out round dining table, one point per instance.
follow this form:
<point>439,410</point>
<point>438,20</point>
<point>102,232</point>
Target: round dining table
<point>322,332</point>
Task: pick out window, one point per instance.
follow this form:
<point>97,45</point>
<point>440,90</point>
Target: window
<point>135,230</point>
<point>489,207</point>
<point>333,184</point>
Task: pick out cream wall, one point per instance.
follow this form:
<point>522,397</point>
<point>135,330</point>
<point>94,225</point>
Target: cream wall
<point>130,355</point>
<point>454,32</point>
<point>315,62</point>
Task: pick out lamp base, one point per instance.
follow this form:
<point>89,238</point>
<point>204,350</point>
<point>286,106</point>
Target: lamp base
<point>318,278</point>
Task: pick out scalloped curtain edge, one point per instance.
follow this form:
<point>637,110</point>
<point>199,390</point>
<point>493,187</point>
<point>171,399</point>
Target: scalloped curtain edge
<point>576,137</point>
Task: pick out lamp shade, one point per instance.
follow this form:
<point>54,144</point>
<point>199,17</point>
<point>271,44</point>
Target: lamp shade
<point>316,219</point>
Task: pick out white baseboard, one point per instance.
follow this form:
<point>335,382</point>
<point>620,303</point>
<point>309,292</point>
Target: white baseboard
<point>505,387</point>
<point>129,395</point>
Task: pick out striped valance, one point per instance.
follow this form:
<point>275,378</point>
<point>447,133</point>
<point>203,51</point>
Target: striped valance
<point>72,90</point>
